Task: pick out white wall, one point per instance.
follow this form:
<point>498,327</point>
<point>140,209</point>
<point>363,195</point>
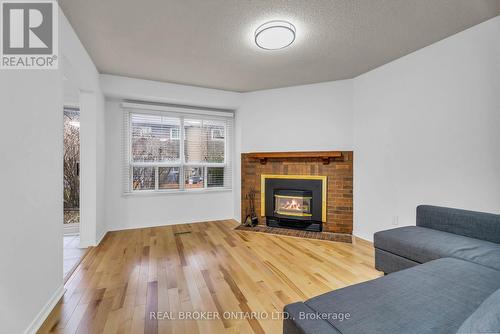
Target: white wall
<point>313,117</point>
<point>426,131</point>
<point>154,91</point>
<point>81,74</point>
<point>142,210</point>
<point>301,118</point>
<point>31,194</point>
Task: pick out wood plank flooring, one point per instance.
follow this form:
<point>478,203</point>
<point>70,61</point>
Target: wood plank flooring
<point>205,267</point>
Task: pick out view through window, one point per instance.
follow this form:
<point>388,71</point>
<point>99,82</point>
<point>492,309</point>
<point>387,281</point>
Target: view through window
<point>161,161</point>
<point>71,166</point>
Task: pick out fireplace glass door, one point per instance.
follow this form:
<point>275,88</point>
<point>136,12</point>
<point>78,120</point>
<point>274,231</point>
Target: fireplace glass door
<point>294,203</point>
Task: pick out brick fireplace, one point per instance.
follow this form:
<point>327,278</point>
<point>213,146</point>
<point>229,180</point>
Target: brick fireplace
<point>293,206</point>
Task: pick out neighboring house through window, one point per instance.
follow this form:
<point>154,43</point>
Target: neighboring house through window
<point>175,133</point>
<point>159,161</point>
<point>217,133</point>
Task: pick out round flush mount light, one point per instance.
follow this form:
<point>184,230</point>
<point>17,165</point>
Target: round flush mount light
<point>274,35</point>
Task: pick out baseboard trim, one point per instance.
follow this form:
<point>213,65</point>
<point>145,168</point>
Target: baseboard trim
<point>103,235</point>
<point>45,311</point>
<point>362,240</point>
<point>85,243</point>
<point>366,238</point>
<point>92,243</point>
<point>168,224</point>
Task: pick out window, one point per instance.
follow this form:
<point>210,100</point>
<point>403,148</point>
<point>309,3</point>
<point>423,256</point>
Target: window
<point>157,160</point>
<point>217,134</point>
<point>175,133</point>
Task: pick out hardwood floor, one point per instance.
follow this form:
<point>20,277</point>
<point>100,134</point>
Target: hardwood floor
<point>203,267</point>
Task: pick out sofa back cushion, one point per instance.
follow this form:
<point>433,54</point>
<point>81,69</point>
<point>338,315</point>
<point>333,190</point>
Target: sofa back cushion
<point>479,225</point>
<point>486,319</point>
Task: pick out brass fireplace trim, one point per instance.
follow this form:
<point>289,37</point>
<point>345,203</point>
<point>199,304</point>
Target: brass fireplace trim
<point>284,196</point>
<point>294,214</point>
<point>323,179</point>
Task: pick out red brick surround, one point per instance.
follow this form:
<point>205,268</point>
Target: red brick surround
<point>340,181</point>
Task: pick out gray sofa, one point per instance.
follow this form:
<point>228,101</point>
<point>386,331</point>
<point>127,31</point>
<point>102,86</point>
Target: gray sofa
<point>450,282</point>
<point>440,232</point>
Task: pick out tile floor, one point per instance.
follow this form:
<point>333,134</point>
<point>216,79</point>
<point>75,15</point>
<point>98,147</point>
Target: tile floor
<point>72,253</point>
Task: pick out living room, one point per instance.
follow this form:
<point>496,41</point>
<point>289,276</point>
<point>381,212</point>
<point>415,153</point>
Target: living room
<point>253,166</point>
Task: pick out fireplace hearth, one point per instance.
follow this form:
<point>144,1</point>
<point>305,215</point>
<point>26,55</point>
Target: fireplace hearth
<point>294,201</point>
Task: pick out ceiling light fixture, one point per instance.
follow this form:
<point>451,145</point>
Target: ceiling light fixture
<point>274,35</point>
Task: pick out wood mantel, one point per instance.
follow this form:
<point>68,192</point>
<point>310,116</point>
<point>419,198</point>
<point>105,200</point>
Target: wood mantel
<point>323,155</point>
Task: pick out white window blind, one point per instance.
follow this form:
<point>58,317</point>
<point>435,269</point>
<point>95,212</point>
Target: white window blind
<point>173,149</point>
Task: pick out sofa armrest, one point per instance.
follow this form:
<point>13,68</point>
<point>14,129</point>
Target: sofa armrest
<point>296,322</point>
<point>478,225</point>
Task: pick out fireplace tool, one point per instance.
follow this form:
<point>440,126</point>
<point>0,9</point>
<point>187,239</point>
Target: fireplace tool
<point>251,218</point>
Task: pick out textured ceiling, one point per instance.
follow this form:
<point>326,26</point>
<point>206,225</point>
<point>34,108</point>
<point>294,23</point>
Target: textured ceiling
<point>209,43</point>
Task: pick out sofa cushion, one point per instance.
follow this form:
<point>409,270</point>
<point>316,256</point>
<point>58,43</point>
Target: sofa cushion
<point>479,225</point>
<point>389,263</point>
<point>486,319</point>
<point>434,297</point>
<point>422,244</point>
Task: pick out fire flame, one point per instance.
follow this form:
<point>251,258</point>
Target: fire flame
<point>292,205</point>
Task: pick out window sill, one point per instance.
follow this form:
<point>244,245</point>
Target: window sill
<point>175,192</point>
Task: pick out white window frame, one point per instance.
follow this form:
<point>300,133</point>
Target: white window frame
<point>181,164</point>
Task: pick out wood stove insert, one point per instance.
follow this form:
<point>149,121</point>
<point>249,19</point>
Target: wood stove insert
<point>294,201</point>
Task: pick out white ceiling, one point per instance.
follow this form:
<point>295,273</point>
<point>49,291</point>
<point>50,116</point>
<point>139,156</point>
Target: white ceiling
<point>210,43</point>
